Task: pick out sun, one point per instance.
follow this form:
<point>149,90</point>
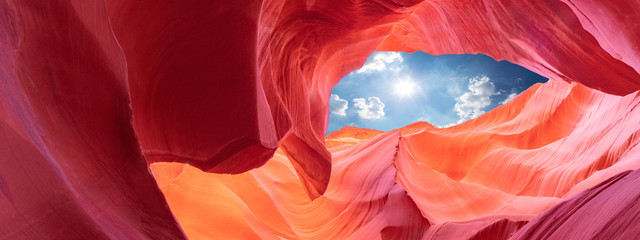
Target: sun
<point>405,88</point>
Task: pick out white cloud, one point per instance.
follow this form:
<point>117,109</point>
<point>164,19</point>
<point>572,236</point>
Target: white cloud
<point>371,109</point>
<point>388,57</point>
<point>471,104</point>
<point>509,98</point>
<point>338,106</point>
<point>382,61</point>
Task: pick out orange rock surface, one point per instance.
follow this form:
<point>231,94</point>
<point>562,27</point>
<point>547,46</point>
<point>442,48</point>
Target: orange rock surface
<point>507,166</point>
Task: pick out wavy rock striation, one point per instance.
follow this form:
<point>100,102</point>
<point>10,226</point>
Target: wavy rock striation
<point>606,211</point>
<point>70,165</point>
<point>483,179</point>
<point>94,92</point>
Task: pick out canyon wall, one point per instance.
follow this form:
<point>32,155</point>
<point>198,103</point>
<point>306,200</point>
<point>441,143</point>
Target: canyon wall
<point>95,92</point>
<point>483,179</point>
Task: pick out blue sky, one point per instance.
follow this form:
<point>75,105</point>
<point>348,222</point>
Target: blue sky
<point>395,89</point>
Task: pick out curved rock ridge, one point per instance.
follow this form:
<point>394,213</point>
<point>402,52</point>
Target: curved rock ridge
<point>285,56</point>
<point>552,141</point>
<point>606,211</point>
<point>92,92</point>
<point>70,165</point>
<point>483,179</point>
<point>362,201</point>
<point>348,136</point>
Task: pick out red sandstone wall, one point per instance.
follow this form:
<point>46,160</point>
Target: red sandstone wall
<point>91,89</point>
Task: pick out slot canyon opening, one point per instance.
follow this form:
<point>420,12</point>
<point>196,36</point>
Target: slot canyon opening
<point>395,89</point>
<point>226,102</point>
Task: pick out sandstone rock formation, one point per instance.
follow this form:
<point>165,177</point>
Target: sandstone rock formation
<point>483,179</point>
<point>94,93</point>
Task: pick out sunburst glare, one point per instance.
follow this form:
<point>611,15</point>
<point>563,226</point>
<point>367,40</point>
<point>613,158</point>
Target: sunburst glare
<point>405,88</point>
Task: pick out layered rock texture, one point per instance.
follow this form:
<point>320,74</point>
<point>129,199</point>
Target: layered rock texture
<point>224,103</point>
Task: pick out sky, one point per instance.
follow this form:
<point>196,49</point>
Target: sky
<point>394,89</point>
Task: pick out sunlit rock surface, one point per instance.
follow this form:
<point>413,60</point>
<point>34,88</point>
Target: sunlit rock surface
<point>93,91</point>
<point>486,177</point>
